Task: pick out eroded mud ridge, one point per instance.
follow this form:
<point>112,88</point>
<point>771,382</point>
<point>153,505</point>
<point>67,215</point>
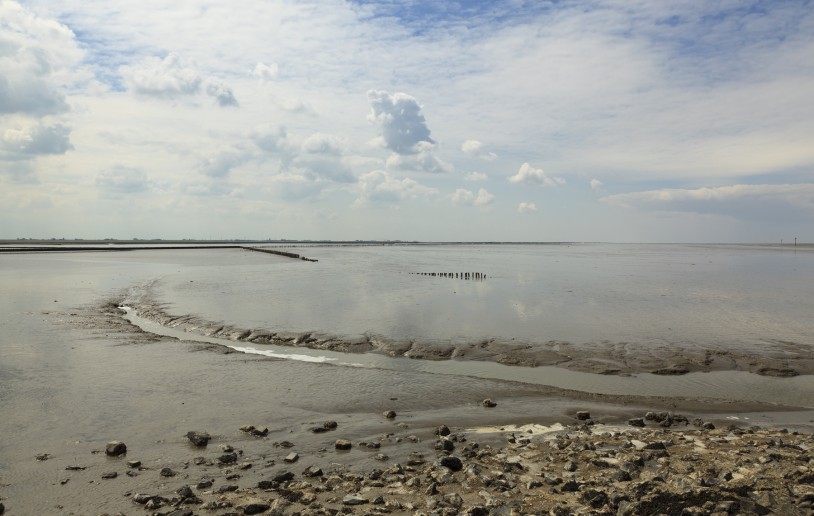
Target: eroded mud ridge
<point>581,468</point>
<point>778,358</point>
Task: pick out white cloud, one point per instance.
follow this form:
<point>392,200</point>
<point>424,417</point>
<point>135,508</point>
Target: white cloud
<point>122,179</point>
<point>476,176</point>
<point>465,197</point>
<point>271,139</point>
<point>402,123</point>
<point>475,148</point>
<point>321,143</point>
<point>526,207</point>
<point>265,71</point>
<point>173,78</point>
<point>423,160</point>
<point>380,187</point>
<point>221,164</point>
<point>34,140</point>
<point>535,176</point>
<point>740,201</point>
<point>596,185</point>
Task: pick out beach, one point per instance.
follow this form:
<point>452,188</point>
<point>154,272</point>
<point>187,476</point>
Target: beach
<point>78,374</point>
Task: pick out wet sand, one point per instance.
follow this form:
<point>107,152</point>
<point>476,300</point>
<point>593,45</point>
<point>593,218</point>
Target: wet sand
<point>150,391</point>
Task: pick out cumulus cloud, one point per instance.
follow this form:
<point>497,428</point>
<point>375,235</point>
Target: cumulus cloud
<point>221,164</point>
<point>35,54</point>
<point>172,78</point>
<point>122,179</point>
<point>526,207</point>
<point>265,72</point>
<point>596,185</point>
<point>402,123</point>
<point>535,176</point>
<point>468,198</point>
<point>320,143</point>
<point>271,139</point>
<point>326,168</point>
<point>476,176</point>
<point>380,187</point>
<point>762,202</point>
<point>423,160</point>
<point>34,140</point>
<point>475,148</point>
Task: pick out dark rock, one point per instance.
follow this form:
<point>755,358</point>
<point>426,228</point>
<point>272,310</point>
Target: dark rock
<point>636,421</point>
<point>444,445</point>
<point>260,432</point>
<point>488,403</point>
<point>204,484</point>
<point>708,426</point>
<point>330,425</point>
<point>42,456</point>
<point>378,501</point>
<point>133,463</point>
<point>228,458</point>
<point>227,488</point>
<point>268,484</point>
<point>109,475</point>
<point>255,508</point>
<point>452,463</point>
<point>572,486</point>
<point>312,471</point>
<point>115,448</point>
<point>343,444</point>
<point>199,439</point>
<point>595,498</point>
<point>185,492</point>
<point>583,415</point>
<point>283,476</point>
<point>442,430</point>
<point>431,490</point>
<point>319,430</point>
<point>167,472</point>
<point>390,414</point>
<point>478,510</point>
<point>570,466</point>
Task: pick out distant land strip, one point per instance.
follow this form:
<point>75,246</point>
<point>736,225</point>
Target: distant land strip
<point>115,248</point>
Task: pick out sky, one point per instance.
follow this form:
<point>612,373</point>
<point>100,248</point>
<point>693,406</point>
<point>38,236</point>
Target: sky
<point>506,120</point>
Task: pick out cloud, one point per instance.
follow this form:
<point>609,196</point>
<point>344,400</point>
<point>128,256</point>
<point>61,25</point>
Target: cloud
<point>222,93</point>
<point>321,143</point>
<point>596,185</point>
<point>526,207</point>
<point>467,198</point>
<point>402,123</point>
<point>265,72</point>
<point>34,141</point>
<point>476,176</point>
<point>35,54</point>
<point>534,176</point>
<point>122,179</point>
<point>423,160</point>
<point>173,78</point>
<point>475,148</point>
<point>763,202</point>
<point>221,164</point>
<point>379,187</point>
<point>324,168</point>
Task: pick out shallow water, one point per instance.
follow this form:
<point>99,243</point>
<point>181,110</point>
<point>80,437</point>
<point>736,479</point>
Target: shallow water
<point>694,296</point>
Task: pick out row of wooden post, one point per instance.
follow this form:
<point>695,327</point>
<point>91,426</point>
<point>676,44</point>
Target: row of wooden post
<point>455,275</point>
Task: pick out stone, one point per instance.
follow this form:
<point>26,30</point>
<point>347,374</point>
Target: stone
<point>283,476</point>
<point>452,463</point>
<point>115,448</point>
<point>330,425</point>
<point>133,463</point>
<point>109,475</point>
<point>354,500</point>
<point>292,457</point>
<point>185,492</point>
<point>312,471</point>
<point>442,430</point>
<point>444,445</point>
<point>636,421</point>
<point>228,458</point>
<point>583,415</point>
<point>488,403</point>
<point>343,444</point>
<point>256,508</point>
<point>204,484</point>
<point>199,439</point>
<point>227,488</point>
<point>390,414</point>
<point>167,472</point>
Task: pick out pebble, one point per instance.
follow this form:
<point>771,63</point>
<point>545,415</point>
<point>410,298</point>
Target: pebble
<point>199,439</point>
<point>115,448</point>
<point>343,444</point>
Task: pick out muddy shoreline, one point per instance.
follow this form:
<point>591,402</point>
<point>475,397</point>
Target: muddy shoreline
<point>779,359</point>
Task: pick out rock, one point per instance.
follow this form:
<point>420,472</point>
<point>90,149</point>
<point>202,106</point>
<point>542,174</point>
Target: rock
<point>228,458</point>
<point>283,476</point>
<point>444,445</point>
<point>343,444</point>
<point>583,415</point>
<point>109,475</point>
<point>570,466</point>
<point>636,421</point>
<point>572,486</point>
<point>390,414</point>
<point>312,471</point>
<point>452,463</point>
<point>133,463</point>
<point>260,432</point>
<point>330,425</point>
<point>267,484</point>
<point>292,458</point>
<point>199,439</point>
<point>442,430</point>
<point>115,448</point>
<point>354,500</point>
<point>2,509</point>
<point>204,484</point>
<point>42,456</point>
<point>256,508</point>
<point>167,472</point>
<point>227,488</point>
<point>595,498</point>
<point>185,492</point>
<point>488,403</point>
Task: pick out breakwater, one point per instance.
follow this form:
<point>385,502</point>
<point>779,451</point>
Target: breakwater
<point>477,276</point>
